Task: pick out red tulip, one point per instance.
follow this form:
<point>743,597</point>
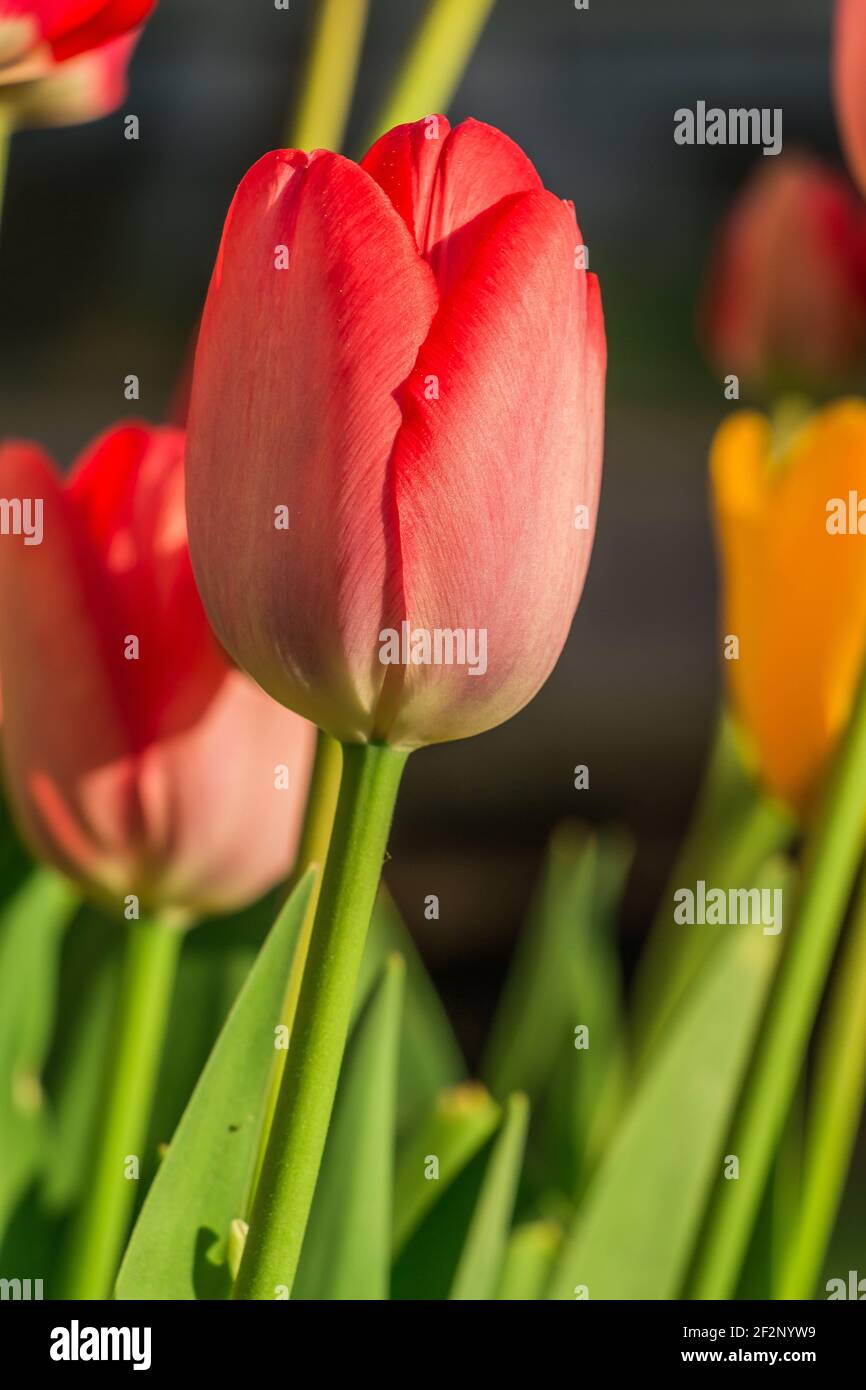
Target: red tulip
<point>849,79</point>
<point>787,291</point>
<point>137,759</point>
<point>408,356</point>
<point>36,35</point>
<point>84,89</point>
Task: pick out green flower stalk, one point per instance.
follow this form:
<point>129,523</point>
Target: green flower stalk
<point>830,864</point>
<point>371,778</point>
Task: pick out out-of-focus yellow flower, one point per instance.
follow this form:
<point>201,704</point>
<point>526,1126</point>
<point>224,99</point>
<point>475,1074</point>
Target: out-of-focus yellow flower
<point>793,557</point>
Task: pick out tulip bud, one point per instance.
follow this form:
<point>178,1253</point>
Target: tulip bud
<point>791,525</point>
<point>83,89</point>
<point>786,298</point>
<point>849,82</point>
<point>137,759</point>
<point>35,36</point>
<point>405,360</point>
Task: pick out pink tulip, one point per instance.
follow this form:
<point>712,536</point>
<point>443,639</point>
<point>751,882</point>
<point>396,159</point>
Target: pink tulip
<point>406,356</point>
<point>849,78</point>
<point>137,759</point>
<point>83,89</point>
<point>38,35</point>
<point>787,290</point>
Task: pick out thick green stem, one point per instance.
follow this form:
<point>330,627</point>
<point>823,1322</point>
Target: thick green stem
<point>313,849</point>
<point>329,77</point>
<point>834,1116</point>
<point>829,869</point>
<point>436,61</point>
<point>147,983</point>
<point>371,778</point>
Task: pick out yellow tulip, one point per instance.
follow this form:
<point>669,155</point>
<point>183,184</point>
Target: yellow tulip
<point>793,586</point>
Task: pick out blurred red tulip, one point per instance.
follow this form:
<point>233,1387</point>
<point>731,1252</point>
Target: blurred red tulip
<point>787,289</point>
<point>849,79</point>
<point>84,89</point>
<point>406,356</point>
<point>137,758</point>
<point>36,35</point>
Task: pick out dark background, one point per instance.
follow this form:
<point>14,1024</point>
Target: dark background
<point>107,250</point>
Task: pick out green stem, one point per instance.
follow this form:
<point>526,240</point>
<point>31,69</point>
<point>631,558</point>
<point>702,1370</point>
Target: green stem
<point>329,77</point>
<point>838,1091</point>
<point>437,59</point>
<point>371,778</point>
<point>147,982</point>
<point>829,869</point>
<point>313,849</point>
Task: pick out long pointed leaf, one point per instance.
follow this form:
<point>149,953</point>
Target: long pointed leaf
<point>178,1246</point>
<point>459,1123</point>
<point>31,931</point>
<point>635,1233</point>
<point>528,1262</point>
<point>347,1248</point>
<point>430,1058</point>
<point>481,1259</point>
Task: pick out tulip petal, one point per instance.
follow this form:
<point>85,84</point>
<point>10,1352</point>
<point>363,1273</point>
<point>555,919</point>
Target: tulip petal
<point>794,681</point>
<point>52,17</point>
<point>488,476</point>
<point>68,753</point>
<point>293,406</point>
<point>113,18</point>
<point>128,492</point>
<point>440,180</point>
<point>84,89</point>
<point>849,78</point>
<point>245,754</point>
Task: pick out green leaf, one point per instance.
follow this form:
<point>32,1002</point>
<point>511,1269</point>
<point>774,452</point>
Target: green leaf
<point>588,1085</point>
<point>635,1233</point>
<point>480,1263</point>
<point>459,1122</point>
<point>217,957</point>
<point>347,1248</point>
<point>734,831</point>
<point>529,1257</point>
<point>32,925</point>
<point>179,1244</point>
<point>74,1077</point>
<point>566,974</point>
<point>15,862</point>
<point>538,1003</point>
<point>430,1058</point>
<point>441,1209</point>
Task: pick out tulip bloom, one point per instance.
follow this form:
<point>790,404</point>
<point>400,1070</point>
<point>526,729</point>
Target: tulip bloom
<point>404,359</point>
<point>37,35</point>
<point>83,89</point>
<point>63,62</point>
<point>787,288</point>
<point>794,587</point>
<point>849,80</point>
<point>138,760</point>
